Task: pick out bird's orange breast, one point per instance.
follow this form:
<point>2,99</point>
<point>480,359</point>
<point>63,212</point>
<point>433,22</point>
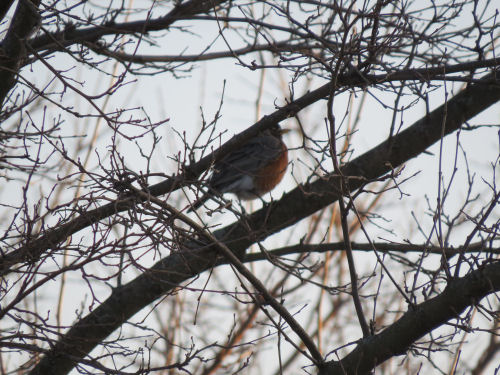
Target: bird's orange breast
<point>271,174</point>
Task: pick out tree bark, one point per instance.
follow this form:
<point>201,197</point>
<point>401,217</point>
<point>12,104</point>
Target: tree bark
<point>13,50</point>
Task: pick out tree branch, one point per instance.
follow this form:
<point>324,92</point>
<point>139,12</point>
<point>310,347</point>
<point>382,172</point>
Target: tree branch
<point>382,247</point>
<point>4,7</point>
<point>65,38</point>
<point>12,51</point>
<point>171,271</point>
<point>396,339</point>
<point>277,47</point>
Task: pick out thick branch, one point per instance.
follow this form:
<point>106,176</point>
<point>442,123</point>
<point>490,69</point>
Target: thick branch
<point>4,8</point>
<point>12,51</point>
<point>300,203</point>
<point>396,339</point>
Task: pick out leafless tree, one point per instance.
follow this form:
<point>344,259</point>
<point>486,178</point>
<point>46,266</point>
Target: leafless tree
<point>379,253</point>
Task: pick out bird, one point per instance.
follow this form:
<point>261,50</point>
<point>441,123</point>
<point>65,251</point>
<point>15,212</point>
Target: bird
<point>250,171</point>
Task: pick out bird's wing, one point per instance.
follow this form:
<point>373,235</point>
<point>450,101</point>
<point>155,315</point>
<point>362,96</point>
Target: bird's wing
<point>239,166</point>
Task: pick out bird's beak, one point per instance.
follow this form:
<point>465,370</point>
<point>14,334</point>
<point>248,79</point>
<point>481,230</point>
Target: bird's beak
<point>284,131</point>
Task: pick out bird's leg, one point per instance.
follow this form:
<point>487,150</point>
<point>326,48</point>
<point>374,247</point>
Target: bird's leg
<point>242,207</point>
<point>264,203</point>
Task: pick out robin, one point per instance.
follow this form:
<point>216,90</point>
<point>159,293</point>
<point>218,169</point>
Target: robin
<point>251,171</point>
